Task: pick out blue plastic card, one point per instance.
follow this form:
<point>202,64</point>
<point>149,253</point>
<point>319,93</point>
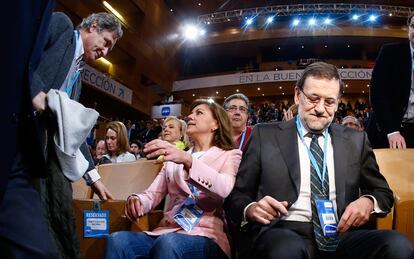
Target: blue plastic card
<point>96,223</point>
<point>188,214</point>
<point>327,217</point>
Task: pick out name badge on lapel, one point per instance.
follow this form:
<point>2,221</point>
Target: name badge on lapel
<point>327,217</point>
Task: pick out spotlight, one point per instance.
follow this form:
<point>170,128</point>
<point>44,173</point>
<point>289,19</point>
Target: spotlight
<point>192,32</point>
<point>372,18</point>
<point>295,22</point>
<point>269,19</point>
<point>355,17</point>
<point>312,22</point>
<point>249,21</point>
<point>327,21</point>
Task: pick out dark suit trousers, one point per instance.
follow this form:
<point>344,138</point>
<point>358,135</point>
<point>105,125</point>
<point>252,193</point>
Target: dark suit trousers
<point>296,240</point>
<point>24,231</point>
<point>407,130</point>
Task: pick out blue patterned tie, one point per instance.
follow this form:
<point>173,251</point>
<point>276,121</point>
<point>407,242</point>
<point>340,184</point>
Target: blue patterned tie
<point>319,191</point>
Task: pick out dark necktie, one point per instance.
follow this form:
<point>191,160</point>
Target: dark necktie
<point>73,90</point>
<point>320,191</point>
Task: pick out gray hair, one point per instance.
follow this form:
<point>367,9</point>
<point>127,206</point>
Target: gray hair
<point>104,21</point>
<point>235,96</point>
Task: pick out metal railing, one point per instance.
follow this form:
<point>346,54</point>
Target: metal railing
<point>305,9</point>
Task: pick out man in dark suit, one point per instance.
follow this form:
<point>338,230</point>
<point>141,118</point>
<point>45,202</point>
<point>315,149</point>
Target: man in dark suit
<point>62,56</point>
<point>303,181</point>
<point>392,91</point>
<point>23,229</point>
<point>65,52</point>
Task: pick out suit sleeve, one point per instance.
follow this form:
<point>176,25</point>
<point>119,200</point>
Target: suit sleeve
<point>248,178</point>
<point>216,182</point>
<point>154,194</point>
<point>372,182</point>
<point>60,29</point>
<point>381,90</point>
<point>91,175</point>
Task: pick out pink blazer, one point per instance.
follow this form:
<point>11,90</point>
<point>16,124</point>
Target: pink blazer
<point>214,174</point>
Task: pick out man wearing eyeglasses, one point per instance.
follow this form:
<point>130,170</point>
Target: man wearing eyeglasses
<point>392,91</point>
<point>306,187</point>
<point>237,107</point>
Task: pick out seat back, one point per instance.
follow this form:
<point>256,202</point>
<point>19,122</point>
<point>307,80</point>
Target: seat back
<point>80,190</point>
<point>122,179</point>
<point>397,166</point>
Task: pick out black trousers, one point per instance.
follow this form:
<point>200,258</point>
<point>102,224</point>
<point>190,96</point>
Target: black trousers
<point>407,131</point>
<point>289,239</point>
<point>24,230</point>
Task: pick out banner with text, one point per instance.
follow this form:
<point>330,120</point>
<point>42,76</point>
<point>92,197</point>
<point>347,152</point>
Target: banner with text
<point>262,77</point>
<point>106,84</point>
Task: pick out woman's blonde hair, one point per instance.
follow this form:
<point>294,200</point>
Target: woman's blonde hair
<point>183,129</point>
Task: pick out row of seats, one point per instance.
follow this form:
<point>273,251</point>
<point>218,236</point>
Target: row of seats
<point>124,178</point>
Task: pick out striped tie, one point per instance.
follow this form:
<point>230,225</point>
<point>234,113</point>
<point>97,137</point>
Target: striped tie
<point>319,191</point>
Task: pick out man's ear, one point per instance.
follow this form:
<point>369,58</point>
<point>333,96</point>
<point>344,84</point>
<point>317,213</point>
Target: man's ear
<point>296,95</point>
<point>93,27</point>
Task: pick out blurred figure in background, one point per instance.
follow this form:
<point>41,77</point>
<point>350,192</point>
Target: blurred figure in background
<point>290,113</point>
<point>117,143</point>
<point>237,107</point>
<point>352,122</point>
<point>136,147</point>
<point>100,151</point>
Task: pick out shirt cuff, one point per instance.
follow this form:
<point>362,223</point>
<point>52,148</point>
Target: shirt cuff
<point>91,176</point>
<point>392,133</point>
<point>376,207</point>
<point>244,222</point>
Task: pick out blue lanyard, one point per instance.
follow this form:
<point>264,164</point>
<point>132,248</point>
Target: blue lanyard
<point>69,87</point>
<point>242,139</point>
<point>311,157</point>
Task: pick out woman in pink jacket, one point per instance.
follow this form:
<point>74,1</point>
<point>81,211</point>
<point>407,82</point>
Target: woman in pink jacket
<point>197,181</point>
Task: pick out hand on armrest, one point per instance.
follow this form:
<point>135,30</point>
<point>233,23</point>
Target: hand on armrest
<point>99,188</point>
<point>134,208</point>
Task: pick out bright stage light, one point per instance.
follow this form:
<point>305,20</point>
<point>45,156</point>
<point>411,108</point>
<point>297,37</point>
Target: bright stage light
<point>295,22</point>
<point>355,17</point>
<point>249,21</point>
<point>269,19</point>
<point>327,21</point>
<point>372,18</point>
<point>190,32</point>
<point>312,22</point>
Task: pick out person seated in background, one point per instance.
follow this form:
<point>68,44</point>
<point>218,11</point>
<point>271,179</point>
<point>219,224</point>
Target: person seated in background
<point>352,122</point>
<point>100,151</point>
<point>116,141</point>
<point>237,107</point>
<point>290,113</point>
<point>175,130</point>
<point>135,146</point>
<point>197,182</point>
